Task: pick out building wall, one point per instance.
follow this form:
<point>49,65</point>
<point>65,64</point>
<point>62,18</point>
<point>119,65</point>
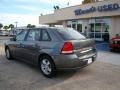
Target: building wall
<point>62,14</point>
<point>115,26</point>
<point>47,19</point>
<point>69,12</point>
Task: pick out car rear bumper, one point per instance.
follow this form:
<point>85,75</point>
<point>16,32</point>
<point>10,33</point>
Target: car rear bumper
<point>72,61</point>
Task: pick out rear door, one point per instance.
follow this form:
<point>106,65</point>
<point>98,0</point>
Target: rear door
<point>31,46</point>
<point>46,42</point>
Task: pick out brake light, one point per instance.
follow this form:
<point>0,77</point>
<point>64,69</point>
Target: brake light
<point>67,48</point>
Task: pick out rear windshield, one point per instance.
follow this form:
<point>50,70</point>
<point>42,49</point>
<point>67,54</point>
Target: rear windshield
<point>70,34</point>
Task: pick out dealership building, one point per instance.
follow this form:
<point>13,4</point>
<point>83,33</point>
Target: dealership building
<point>98,18</point>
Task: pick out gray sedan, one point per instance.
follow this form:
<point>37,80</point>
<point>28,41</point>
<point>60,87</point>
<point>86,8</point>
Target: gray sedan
<point>52,49</point>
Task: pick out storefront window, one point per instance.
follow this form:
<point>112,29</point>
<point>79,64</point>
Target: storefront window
<point>69,26</point>
<point>76,24</point>
<point>105,27</point>
<point>79,27</point>
<point>91,27</point>
<point>99,28</point>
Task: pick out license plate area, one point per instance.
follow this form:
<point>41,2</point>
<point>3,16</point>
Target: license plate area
<point>89,60</point>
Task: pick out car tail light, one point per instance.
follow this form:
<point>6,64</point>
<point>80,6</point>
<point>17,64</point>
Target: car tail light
<point>115,41</point>
<point>67,48</point>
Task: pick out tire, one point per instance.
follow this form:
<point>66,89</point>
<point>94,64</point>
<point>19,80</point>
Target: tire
<point>47,66</point>
<point>111,50</point>
<point>8,54</point>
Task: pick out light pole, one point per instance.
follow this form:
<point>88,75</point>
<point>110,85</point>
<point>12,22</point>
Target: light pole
<point>16,24</point>
<point>15,27</point>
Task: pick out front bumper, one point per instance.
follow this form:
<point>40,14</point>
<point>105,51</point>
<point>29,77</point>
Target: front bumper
<point>72,61</point>
<point>115,46</point>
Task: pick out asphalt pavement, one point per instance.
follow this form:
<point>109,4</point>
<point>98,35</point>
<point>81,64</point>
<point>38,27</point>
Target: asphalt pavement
<point>109,57</point>
<point>101,75</point>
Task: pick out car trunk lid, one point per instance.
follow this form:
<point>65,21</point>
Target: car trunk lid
<point>83,46</point>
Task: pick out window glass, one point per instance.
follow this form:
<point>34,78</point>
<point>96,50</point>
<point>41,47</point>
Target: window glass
<point>69,26</point>
<point>70,34</point>
<point>21,36</point>
<point>45,36</point>
<point>79,27</point>
<point>33,35</point>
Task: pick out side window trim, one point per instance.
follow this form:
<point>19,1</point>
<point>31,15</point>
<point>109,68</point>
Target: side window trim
<point>26,35</point>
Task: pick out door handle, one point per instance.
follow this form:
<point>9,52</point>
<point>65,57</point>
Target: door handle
<point>36,46</point>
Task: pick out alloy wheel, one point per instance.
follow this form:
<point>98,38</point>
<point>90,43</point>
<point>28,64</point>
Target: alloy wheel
<point>46,66</point>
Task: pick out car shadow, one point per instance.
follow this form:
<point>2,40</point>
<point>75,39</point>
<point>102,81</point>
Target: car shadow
<point>36,79</point>
<point>115,51</point>
<point>28,77</point>
<point>59,73</point>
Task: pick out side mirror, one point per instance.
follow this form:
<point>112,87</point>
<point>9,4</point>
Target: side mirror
<point>13,39</point>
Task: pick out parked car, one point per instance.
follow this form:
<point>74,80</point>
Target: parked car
<point>4,33</point>
<point>115,43</point>
<point>0,33</point>
<point>52,49</point>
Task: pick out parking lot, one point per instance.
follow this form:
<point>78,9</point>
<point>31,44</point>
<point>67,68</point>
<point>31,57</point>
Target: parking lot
<point>104,74</point>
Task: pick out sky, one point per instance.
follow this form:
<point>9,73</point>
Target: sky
<point>27,11</point>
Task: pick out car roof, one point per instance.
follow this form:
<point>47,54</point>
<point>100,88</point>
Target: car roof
<point>44,28</point>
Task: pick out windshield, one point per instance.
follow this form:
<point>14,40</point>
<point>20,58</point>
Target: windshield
<point>70,34</point>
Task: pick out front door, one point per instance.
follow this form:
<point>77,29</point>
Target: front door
<point>16,46</point>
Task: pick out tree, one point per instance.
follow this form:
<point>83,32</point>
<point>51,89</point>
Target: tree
<point>56,7</point>
<point>33,26</point>
<point>1,25</point>
<point>30,26</point>
<point>6,27</point>
<point>11,26</point>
